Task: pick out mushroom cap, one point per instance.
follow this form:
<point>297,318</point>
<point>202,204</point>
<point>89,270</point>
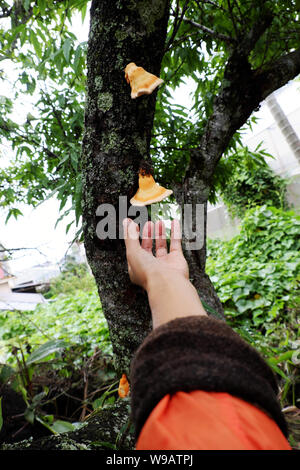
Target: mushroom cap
<point>124,388</point>
<point>149,191</point>
<point>141,81</point>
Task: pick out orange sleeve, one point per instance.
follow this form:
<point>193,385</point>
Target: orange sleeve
<point>201,420</point>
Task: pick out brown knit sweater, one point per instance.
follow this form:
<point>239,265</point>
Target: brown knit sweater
<point>200,353</point>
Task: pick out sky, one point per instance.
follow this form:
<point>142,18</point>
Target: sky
<point>36,229</point>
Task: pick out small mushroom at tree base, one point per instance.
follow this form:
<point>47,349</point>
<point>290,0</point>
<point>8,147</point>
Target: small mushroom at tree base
<point>141,81</point>
<point>149,192</point>
<point>124,388</point>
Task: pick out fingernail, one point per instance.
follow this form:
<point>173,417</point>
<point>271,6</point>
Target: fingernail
<point>126,222</point>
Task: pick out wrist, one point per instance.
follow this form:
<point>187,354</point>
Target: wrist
<point>158,278</point>
<point>171,295</point>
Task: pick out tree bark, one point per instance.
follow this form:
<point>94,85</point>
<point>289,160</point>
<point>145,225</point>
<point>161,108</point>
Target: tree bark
<point>194,192</point>
<point>117,138</point>
<point>108,429</point>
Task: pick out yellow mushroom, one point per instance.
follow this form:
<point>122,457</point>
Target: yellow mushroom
<point>149,191</point>
<point>141,81</point>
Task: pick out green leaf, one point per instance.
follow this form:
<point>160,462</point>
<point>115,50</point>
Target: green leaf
<point>15,212</point>
<point>29,415</point>
<point>60,426</point>
<point>36,44</point>
<point>77,58</point>
<point>46,350</point>
<point>67,48</point>
<point>283,357</point>
<point>83,12</point>
<point>97,403</point>
<point>27,4</point>
<point>42,6</point>
<point>6,373</point>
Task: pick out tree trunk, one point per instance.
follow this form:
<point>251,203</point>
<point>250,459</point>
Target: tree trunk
<point>117,138</point>
<point>194,193</point>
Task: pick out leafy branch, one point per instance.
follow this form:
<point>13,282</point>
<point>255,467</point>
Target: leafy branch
<point>177,22</point>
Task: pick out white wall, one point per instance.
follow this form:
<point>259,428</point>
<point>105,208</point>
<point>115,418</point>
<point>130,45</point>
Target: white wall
<point>284,163</point>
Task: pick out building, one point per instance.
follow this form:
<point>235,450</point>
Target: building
<point>12,298</point>
<point>283,146</point>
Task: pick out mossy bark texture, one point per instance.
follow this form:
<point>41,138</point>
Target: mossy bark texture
<point>108,429</point>
<point>117,138</point>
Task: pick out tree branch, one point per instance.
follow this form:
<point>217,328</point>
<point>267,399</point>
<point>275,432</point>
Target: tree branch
<point>11,250</point>
<point>257,30</point>
<point>232,18</point>
<point>209,31</point>
<point>181,39</point>
<point>279,73</point>
<point>235,104</point>
<point>177,23</point>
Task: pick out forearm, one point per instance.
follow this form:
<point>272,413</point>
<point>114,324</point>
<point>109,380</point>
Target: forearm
<point>172,296</point>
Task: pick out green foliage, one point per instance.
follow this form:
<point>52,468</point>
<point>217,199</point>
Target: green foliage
<point>59,356</point>
<point>244,180</point>
<point>256,275</point>
<point>201,54</point>
<point>75,277</point>
<point>37,39</point>
<point>258,270</point>
<point>72,315</point>
<point>77,320</point>
<point>53,384</point>
<point>51,65</point>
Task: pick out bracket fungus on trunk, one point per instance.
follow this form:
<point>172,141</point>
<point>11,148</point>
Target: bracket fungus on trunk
<point>149,192</point>
<point>141,81</point>
<point>124,387</point>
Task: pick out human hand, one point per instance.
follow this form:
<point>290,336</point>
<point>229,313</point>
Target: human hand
<point>143,266</point>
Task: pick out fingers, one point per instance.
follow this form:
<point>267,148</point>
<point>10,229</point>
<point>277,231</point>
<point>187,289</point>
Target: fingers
<point>147,237</point>
<point>160,239</point>
<point>175,244</point>
<point>131,235</point>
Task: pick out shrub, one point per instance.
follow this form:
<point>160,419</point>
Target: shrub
<point>256,274</point>
<point>76,320</point>
<point>247,181</point>
<point>73,278</point>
